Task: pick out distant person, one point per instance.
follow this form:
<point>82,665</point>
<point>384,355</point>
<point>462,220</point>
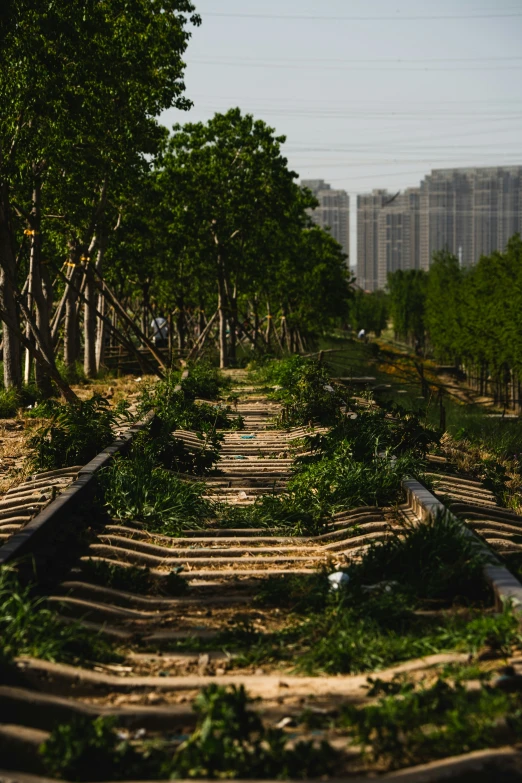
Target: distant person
<point>160,331</point>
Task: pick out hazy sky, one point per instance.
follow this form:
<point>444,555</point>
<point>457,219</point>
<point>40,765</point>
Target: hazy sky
<point>369,93</point>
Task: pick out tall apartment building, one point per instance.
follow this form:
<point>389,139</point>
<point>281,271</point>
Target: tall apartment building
<point>333,211</point>
<point>369,207</point>
<point>387,235</point>
<point>398,235</point>
<point>470,212</point>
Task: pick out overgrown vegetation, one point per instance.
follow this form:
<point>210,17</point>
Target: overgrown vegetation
<point>173,400</point>
<point>416,723</point>
<point>138,488</point>
<point>303,388</point>
<point>76,432</point>
<point>372,621</point>
<point>230,741</point>
<point>28,627</point>
<point>362,460</point>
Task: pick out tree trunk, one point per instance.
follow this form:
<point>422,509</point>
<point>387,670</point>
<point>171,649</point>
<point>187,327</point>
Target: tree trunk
<point>222,304</point>
<point>11,341</point>
<point>89,325</point>
<point>201,320</point>
<point>180,327</point>
<point>232,324</point>
<point>42,294</point>
<point>28,363</point>
<point>93,326</point>
<point>71,322</point>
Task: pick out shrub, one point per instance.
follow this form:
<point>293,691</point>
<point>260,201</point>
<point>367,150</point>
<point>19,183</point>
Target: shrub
<point>77,432</point>
<point>88,749</point>
<point>436,559</point>
<point>230,741</point>
<point>411,724</point>
<point>177,409</point>
<point>136,488</point>
<point>305,391</point>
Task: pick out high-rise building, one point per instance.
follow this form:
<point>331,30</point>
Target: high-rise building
<point>398,235</point>
<point>369,207</point>
<point>333,211</point>
<point>470,212</point>
<point>387,235</point>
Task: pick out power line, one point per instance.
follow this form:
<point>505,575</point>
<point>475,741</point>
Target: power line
<point>268,64</point>
<point>374,59</point>
<point>396,18</point>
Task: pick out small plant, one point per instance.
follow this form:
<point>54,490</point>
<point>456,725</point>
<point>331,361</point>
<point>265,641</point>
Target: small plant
<point>414,724</point>
<point>136,488</point>
<point>299,593</point>
<point>28,627</point>
<point>77,432</point>
<point>173,454</point>
<point>433,560</point>
<point>230,741</point>
<point>87,749</point>
<point>303,387</point>
<point>10,402</point>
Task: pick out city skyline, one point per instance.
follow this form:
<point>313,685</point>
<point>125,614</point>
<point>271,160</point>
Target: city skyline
<point>469,211</point>
<point>367,96</point>
<point>333,211</point>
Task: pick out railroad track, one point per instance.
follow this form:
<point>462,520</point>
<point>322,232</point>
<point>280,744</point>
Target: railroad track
<point>172,646</point>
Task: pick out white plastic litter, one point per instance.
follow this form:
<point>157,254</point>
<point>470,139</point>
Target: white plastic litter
<point>385,586</point>
<point>137,380</point>
<point>338,579</point>
<point>328,388</point>
<point>242,495</point>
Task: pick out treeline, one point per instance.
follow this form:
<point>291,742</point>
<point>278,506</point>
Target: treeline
<point>107,220</point>
<point>470,318</point>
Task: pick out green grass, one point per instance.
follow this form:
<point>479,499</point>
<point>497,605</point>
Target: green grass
<point>173,402</point>
<point>230,741</point>
<point>76,433</point>
<point>361,461</point>
<point>29,628</point>
<point>137,488</point>
<point>417,723</point>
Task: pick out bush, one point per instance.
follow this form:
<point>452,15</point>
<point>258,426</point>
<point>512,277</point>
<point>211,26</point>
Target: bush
<point>137,489</point>
<point>77,432</point>
<point>416,723</point>
<point>305,391</point>
<point>436,559</point>
<point>10,402</point>
<point>177,410</point>
<point>87,749</point>
<point>230,741</point>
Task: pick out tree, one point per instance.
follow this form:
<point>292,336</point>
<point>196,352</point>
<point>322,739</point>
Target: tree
<point>81,84</point>
<point>226,181</point>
